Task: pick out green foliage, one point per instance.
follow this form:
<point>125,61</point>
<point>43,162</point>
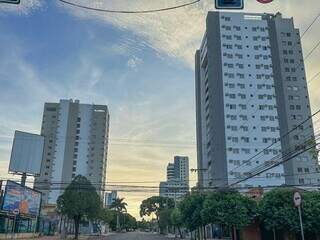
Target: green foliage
<point>79,200</point>
<point>129,222</point>
<point>277,210</point>
<point>143,224</point>
<point>211,212</point>
<point>228,208</point>
<point>191,208</point>
<point>106,215</point>
<point>165,218</point>
<point>154,205</point>
<point>176,218</point>
<point>311,212</point>
<point>119,205</point>
<point>236,210</point>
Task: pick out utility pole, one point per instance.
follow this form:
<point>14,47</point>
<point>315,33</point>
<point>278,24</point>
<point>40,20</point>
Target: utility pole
<point>297,199</point>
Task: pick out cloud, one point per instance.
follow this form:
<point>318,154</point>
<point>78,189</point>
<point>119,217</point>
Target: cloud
<point>178,33</point>
<point>134,62</point>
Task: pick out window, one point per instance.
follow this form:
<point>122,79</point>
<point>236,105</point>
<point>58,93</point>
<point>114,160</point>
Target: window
<point>299,170</point>
<point>51,109</point>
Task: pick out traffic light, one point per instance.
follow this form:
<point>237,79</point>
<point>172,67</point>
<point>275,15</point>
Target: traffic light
<point>10,1</point>
<point>229,4</point>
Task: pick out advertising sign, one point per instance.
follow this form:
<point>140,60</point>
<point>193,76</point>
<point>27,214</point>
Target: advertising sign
<point>20,199</point>
<point>26,154</point>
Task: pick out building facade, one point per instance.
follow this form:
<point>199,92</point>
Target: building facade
<point>250,91</point>
<point>76,143</point>
<point>177,184</point>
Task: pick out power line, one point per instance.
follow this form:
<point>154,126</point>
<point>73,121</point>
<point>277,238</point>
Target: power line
<point>314,77</point>
<point>126,11</point>
<point>312,50</point>
<point>310,25</point>
<point>281,137</point>
<point>279,163</point>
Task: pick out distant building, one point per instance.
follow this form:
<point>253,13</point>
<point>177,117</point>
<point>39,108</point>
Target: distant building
<point>110,197</point>
<point>251,90</point>
<point>76,142</point>
<point>177,184</point>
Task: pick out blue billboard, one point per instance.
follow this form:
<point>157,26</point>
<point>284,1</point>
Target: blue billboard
<point>229,4</point>
<point>18,198</point>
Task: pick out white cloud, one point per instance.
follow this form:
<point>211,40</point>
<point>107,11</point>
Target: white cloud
<point>178,33</point>
<point>134,62</point>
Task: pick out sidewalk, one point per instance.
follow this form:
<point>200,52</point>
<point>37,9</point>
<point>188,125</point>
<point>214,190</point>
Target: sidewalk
<point>81,237</point>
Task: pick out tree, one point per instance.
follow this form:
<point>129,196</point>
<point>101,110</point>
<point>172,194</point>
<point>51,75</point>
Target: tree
<point>211,209</point>
<point>106,215</point>
<point>311,213</point>
<point>154,205</point>
<point>191,207</point>
<point>79,200</point>
<point>165,219</point>
<point>235,210</point>
<point>143,225</point>
<point>119,206</point>
<point>278,213</point>
<point>129,222</point>
<point>176,220</point>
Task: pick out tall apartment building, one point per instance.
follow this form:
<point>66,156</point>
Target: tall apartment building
<point>76,142</point>
<point>251,90</point>
<point>177,184</point>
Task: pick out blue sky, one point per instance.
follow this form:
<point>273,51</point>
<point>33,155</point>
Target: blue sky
<point>141,66</point>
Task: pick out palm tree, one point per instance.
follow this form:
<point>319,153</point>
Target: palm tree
<point>119,206</point>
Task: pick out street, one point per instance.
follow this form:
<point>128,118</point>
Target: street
<point>135,236</point>
<point>118,236</point>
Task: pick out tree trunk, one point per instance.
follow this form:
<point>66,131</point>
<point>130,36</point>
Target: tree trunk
<point>274,234</point>
<point>76,226</point>
<point>180,233</point>
<point>204,232</point>
<point>118,222</point>
<point>234,233</point>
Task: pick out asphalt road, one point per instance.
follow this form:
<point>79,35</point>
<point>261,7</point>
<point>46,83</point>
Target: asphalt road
<point>136,236</point>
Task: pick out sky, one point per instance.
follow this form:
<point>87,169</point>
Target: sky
<point>140,65</point>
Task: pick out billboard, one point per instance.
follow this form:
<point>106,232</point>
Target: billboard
<point>18,198</point>
<point>26,153</point>
<point>110,197</point>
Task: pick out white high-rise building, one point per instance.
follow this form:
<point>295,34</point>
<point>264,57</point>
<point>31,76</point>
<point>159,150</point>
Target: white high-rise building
<point>250,91</point>
<point>177,184</point>
<point>76,143</point>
